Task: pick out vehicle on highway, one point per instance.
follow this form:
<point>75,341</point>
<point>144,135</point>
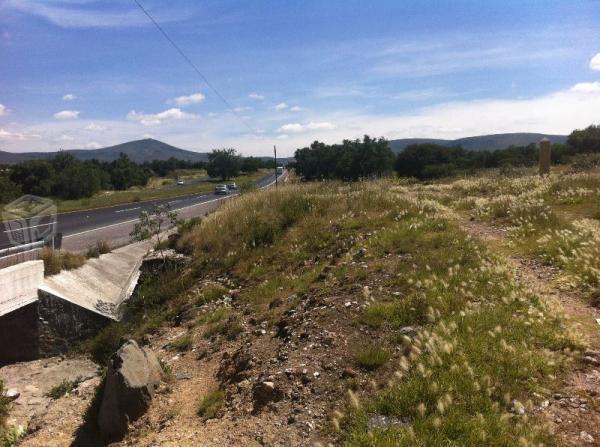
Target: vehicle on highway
<point>279,170</point>
<point>180,182</point>
<point>232,186</point>
<point>221,189</point>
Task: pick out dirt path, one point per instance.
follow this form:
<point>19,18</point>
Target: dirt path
<point>574,409</point>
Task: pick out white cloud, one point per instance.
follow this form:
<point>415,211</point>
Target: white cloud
<point>296,109</point>
<point>595,62</point>
<point>69,97</point>
<point>292,127</point>
<point>92,145</point>
<point>256,96</point>
<point>242,109</point>
<point>283,136</point>
<point>19,136</point>
<point>3,110</point>
<point>586,87</point>
<point>67,115</point>
<point>64,138</point>
<point>194,98</point>
<point>158,118</point>
<point>297,127</point>
<point>93,127</point>
<point>320,126</point>
<point>281,106</point>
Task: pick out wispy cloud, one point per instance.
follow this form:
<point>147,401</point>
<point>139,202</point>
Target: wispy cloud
<point>281,106</point>
<point>256,96</point>
<point>18,136</point>
<point>186,100</point>
<point>298,128</point>
<point>86,13</point>
<point>154,119</point>
<point>3,110</point>
<point>69,97</point>
<point>67,115</point>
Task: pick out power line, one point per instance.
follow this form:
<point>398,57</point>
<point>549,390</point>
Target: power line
<point>189,61</point>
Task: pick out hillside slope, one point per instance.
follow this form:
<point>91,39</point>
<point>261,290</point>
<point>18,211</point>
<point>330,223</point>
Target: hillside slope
<point>139,151</point>
<point>357,315</point>
<point>481,142</point>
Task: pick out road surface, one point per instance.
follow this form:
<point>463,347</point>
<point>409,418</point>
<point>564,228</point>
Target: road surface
<point>81,229</point>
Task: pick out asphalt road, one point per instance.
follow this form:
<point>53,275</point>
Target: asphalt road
<point>73,223</point>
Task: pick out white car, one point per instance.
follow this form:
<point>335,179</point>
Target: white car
<point>232,186</point>
<point>180,182</point>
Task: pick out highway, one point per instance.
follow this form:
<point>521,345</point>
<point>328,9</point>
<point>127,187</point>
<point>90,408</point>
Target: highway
<point>79,222</point>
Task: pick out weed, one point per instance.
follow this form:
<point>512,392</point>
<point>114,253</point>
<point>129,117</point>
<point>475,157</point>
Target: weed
<point>65,387</point>
<point>57,260</point>
<point>183,343</point>
<point>371,357</point>
<point>211,405</point>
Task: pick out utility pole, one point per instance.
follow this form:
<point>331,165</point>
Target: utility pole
<point>275,153</point>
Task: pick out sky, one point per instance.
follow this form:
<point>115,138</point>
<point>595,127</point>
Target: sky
<point>89,74</point>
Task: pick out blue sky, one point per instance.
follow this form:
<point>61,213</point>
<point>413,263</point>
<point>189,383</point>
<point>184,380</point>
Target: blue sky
<point>86,74</point>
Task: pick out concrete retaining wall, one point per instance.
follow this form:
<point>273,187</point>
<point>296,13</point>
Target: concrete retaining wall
<point>19,285</point>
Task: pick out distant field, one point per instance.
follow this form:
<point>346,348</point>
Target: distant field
<point>156,189</point>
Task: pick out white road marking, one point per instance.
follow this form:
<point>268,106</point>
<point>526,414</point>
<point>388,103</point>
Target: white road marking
<point>134,220</point>
<point>128,209</point>
<point>27,228</point>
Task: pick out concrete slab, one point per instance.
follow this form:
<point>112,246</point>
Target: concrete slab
<point>101,285</point>
<point>19,285</point>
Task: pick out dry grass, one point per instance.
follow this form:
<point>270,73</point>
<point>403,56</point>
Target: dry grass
<point>57,260</point>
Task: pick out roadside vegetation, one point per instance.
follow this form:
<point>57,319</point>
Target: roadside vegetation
<point>555,218</point>
<point>463,353</point>
<point>77,185</point>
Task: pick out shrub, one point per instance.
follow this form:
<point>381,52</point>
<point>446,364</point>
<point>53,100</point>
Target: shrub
<point>211,404</point>
<point>105,343</point>
<point>65,387</point>
<point>57,260</point>
<point>183,343</point>
<point>371,357</point>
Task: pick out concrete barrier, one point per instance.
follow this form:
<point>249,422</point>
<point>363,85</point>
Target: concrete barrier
<point>19,285</point>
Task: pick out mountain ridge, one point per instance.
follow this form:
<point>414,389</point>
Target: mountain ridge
<point>150,149</point>
<point>481,142</point>
<point>138,150</point>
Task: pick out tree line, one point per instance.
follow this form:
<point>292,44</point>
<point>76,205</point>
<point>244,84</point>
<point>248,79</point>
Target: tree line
<point>355,160</point>
<point>67,177</point>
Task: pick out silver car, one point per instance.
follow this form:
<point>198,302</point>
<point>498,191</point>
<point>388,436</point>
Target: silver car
<point>221,189</point>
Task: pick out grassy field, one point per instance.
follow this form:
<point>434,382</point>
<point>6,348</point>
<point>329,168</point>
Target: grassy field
<point>155,190</point>
<point>459,352</point>
<point>555,218</point>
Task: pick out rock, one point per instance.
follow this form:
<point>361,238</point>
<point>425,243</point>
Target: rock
<point>348,373</point>
<point>12,394</point>
<point>586,437</point>
<point>517,407</point>
<point>131,379</point>
<point>235,368</point>
<point>263,393</point>
<point>591,360</point>
<point>380,421</point>
<point>183,376</point>
<point>409,331</point>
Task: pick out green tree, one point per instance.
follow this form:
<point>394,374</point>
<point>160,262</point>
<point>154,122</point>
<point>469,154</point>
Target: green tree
<point>585,140</point>
<point>223,163</point>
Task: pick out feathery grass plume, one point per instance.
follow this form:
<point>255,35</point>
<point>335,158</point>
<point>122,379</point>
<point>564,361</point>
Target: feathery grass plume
<point>354,401</point>
<point>421,409</point>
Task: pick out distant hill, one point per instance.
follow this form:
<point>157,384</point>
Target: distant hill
<point>139,151</point>
<point>481,142</point>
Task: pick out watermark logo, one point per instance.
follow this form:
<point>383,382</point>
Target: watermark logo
<point>29,219</point>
